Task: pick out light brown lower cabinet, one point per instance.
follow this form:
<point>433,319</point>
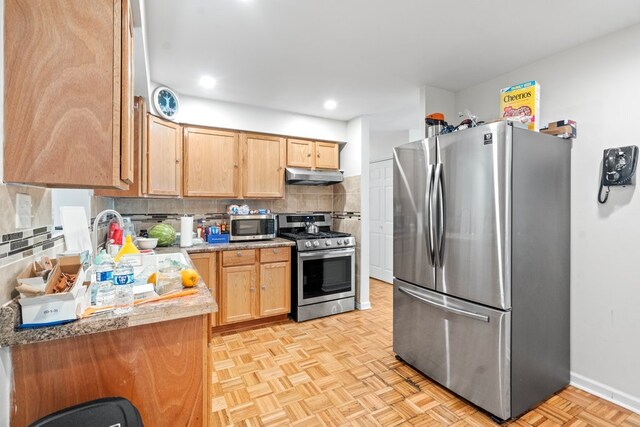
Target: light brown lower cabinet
<point>274,294</point>
<point>252,284</point>
<point>206,265</point>
<point>237,294</point>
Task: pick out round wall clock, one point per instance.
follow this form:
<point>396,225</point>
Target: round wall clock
<point>166,102</point>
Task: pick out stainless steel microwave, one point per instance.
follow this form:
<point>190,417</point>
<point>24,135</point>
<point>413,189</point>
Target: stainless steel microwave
<point>252,227</point>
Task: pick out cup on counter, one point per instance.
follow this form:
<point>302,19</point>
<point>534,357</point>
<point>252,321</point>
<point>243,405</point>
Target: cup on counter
<point>168,279</point>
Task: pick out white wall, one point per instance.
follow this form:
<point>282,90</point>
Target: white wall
<point>381,143</point>
<point>206,112</point>
<point>597,85</point>
<point>355,154</point>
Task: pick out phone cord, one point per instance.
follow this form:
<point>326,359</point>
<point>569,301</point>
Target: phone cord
<point>606,195</point>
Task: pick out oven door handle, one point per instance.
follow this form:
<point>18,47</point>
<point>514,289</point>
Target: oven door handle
<point>326,253</point>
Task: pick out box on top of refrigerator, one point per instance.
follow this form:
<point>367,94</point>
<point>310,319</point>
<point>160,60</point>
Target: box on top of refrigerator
<point>522,100</point>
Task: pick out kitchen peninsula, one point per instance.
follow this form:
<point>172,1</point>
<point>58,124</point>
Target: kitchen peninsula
<point>161,346</point>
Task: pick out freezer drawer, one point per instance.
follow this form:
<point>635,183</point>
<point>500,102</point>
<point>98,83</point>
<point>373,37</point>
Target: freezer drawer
<point>463,346</point>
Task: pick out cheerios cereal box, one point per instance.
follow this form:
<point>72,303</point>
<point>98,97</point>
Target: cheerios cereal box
<point>522,100</point>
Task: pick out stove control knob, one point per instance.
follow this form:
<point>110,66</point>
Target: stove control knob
<point>339,242</point>
<point>316,243</point>
<point>307,244</point>
<point>328,243</point>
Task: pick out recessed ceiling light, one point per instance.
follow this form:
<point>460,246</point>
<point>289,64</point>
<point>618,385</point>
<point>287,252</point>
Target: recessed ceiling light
<point>207,82</point>
<point>330,104</point>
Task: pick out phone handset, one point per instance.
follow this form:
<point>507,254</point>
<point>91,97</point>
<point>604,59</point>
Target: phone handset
<point>618,168</point>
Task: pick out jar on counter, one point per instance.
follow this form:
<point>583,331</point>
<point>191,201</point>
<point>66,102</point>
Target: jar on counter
<point>168,279</point>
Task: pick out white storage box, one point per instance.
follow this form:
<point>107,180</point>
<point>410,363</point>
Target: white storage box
<point>50,308</point>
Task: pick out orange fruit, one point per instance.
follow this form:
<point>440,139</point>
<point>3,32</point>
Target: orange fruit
<point>152,279</point>
<point>189,277</point>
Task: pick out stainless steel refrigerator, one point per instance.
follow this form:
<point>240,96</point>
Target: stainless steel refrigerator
<point>481,264</point>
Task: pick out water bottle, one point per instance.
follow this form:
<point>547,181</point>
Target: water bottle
<point>103,292</point>
<point>123,283</point>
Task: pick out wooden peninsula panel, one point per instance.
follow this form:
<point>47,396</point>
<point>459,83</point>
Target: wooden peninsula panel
<point>161,368</point>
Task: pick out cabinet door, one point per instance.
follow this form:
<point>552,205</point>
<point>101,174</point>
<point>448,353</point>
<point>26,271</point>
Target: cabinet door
<point>62,91</point>
<point>300,153</point>
<point>263,166</point>
<point>127,144</point>
<point>327,155</point>
<point>275,288</point>
<point>237,294</point>
<point>210,163</point>
<point>205,264</point>
<point>164,157</point>
<point>139,186</point>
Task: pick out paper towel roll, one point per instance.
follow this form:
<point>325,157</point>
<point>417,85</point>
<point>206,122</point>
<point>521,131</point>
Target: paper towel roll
<point>186,231</point>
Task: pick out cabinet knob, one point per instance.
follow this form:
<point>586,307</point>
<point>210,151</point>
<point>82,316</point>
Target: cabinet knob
<point>309,155</point>
<point>263,287</point>
<point>239,254</point>
<point>318,155</point>
<point>252,289</point>
<point>235,165</point>
<point>275,251</point>
<point>177,160</point>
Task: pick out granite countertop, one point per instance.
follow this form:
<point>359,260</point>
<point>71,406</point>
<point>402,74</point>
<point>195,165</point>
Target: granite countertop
<point>202,302</point>
<point>197,304</point>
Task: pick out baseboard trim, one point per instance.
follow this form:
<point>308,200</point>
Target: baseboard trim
<point>363,305</point>
<point>606,392</point>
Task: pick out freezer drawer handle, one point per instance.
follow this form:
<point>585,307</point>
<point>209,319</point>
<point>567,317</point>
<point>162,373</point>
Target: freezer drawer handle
<point>453,310</point>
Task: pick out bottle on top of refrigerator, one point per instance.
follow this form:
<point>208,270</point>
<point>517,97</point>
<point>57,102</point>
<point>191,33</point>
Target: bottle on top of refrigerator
<point>123,284</point>
<point>102,292</point>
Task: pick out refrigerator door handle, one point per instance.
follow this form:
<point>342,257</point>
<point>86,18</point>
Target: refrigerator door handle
<point>443,307</point>
<point>438,190</point>
<point>430,236</point>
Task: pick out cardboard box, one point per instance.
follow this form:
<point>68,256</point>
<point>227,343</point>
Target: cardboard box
<point>29,276</point>
<point>59,307</point>
<point>522,100</point>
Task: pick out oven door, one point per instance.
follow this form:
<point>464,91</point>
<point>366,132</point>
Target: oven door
<point>326,275</point>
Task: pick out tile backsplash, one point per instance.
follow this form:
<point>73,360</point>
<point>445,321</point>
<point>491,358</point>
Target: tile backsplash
<point>297,198</point>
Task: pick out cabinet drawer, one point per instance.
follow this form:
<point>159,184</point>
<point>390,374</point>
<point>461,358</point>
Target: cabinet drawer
<point>275,254</point>
<point>242,257</point>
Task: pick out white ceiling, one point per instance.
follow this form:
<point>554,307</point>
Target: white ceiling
<point>372,56</point>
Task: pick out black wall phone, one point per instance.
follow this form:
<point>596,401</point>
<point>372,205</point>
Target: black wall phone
<point>618,168</point>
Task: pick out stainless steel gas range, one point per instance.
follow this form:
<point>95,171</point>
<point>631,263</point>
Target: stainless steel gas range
<point>323,270</point>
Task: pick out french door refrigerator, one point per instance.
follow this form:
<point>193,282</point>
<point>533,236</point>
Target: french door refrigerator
<point>481,264</point>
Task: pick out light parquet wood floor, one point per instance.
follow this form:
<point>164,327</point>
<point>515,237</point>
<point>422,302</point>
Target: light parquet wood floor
<point>341,370</point>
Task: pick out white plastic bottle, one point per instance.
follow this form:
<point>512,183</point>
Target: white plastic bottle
<point>123,283</point>
<point>104,291</point>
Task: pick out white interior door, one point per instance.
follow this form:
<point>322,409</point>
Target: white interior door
<point>381,220</point>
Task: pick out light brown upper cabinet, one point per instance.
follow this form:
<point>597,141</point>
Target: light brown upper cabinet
<point>139,186</point>
<point>211,163</point>
<point>68,81</point>
<point>263,165</point>
<point>300,153</point>
<point>303,153</point>
<point>327,155</point>
<point>164,157</point>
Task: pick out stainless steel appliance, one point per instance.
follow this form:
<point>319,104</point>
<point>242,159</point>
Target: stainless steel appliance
<point>252,227</point>
<point>299,176</point>
<point>323,271</point>
<point>481,264</point>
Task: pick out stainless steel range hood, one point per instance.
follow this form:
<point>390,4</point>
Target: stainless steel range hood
<point>299,176</point>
